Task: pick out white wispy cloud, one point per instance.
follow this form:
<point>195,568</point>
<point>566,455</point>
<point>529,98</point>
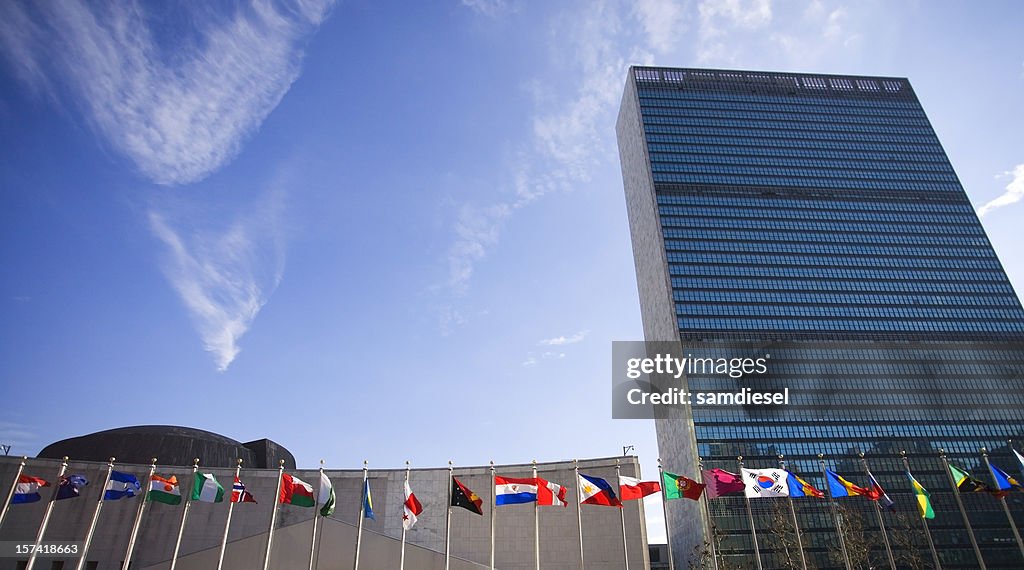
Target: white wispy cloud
<point>224,277</point>
<point>663,21</point>
<point>1014,192</point>
<point>718,22</point>
<point>568,136</point>
<point>179,112</point>
<point>490,8</point>
<point>562,340</point>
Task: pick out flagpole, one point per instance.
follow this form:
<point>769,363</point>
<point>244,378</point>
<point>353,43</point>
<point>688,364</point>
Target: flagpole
<point>14,487</point>
<point>579,510</point>
<point>401,564</point>
<point>536,520</point>
<point>1002,501</point>
<point>878,514</point>
<point>750,515</point>
<point>362,514</point>
<point>46,515</point>
<point>95,517</point>
<point>927,531</point>
<point>312,540</point>
<point>448,516</point>
<point>835,515</point>
<point>494,511</point>
<point>664,513</point>
<point>227,525</point>
<point>796,525</point>
<point>138,517</point>
<point>710,529</point>
<point>963,512</point>
<point>184,514</point>
<point>273,514</point>
<point>622,515</point>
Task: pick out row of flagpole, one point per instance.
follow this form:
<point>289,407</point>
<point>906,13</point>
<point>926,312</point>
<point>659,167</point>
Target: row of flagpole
<point>923,502</point>
<point>366,510</point>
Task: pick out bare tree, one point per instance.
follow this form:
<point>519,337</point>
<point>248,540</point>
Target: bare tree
<point>858,548</point>
<point>907,538</point>
<point>787,552</point>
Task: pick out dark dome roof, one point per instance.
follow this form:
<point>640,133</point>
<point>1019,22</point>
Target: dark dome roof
<point>171,445</point>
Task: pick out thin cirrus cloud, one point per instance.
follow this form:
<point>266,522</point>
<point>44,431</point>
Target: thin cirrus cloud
<point>563,340</point>
<point>224,277</point>
<point>1014,192</point>
<point>567,140</point>
<point>178,114</point>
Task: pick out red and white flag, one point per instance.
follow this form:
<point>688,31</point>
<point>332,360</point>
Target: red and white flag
<point>239,494</point>
<point>412,508</point>
<point>631,488</point>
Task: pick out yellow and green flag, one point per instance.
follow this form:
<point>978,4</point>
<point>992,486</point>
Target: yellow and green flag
<point>924,503</point>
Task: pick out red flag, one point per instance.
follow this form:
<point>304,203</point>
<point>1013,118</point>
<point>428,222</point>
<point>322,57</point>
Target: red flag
<point>239,494</point>
<point>413,508</point>
<point>630,488</point>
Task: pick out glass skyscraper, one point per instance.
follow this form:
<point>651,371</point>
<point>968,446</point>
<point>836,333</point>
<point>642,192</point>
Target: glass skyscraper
<point>816,219</point>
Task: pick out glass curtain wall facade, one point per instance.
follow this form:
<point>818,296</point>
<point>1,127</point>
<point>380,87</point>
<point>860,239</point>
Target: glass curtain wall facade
<point>818,219</point>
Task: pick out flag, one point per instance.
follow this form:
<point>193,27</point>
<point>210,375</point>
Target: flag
<point>1003,479</point>
<point>367,501</point>
<point>326,496</point>
<point>1020,459</point>
<point>71,486</point>
<point>463,497</point>
<point>206,489</point>
<point>924,504</point>
<point>678,487</point>
<point>800,488</point>
<point>763,483</point>
<point>842,488</point>
<point>879,494</point>
<point>121,485</point>
<point>412,508</point>
<point>516,490</point>
<point>721,482</point>
<point>239,494</point>
<point>164,490</point>
<point>967,484</point>
<point>27,489</point>
<point>596,491</point>
<point>630,488</point>
<point>295,491</point>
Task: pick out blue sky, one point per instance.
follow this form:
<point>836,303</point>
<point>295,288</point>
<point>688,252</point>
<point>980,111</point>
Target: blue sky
<point>388,231</point>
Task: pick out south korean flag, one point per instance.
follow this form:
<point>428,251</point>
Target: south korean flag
<point>760,483</point>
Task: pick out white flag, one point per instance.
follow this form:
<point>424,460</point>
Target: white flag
<point>412,508</point>
<point>759,483</point>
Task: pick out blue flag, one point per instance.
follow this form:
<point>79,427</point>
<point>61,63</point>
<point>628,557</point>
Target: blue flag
<point>121,485</point>
<point>367,501</point>
<point>71,486</point>
<point>1003,479</point>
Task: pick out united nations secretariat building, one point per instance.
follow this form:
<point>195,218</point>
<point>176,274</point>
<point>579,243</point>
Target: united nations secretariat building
<point>604,532</point>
